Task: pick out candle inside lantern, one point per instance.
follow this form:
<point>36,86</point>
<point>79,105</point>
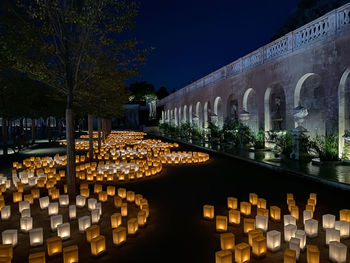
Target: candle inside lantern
<point>26,224</point>
<point>261,222</point>
<point>92,203</point>
<point>70,254</point>
<point>289,232</point>
<point>328,221</point>
<point>227,241</point>
<point>63,200</point>
<point>208,211</point>
<point>80,201</point>
<point>343,227</point>
<point>92,232</point>
<point>55,220</point>
<point>6,212</point>
<point>312,254</point>
<point>84,222</point>
<point>259,246</point>
<point>63,231</point>
<point>72,212</point>
<point>273,240</point>
<point>337,252</point>
<point>289,220</point>
<point>234,217</point>
<point>132,226</point>
<point>332,235</point>
<point>232,202</point>
<point>252,234</point>
<point>44,202</point>
<point>261,203</point>
<point>9,236</point>
<point>245,208</point>
<point>221,223</point>
<point>53,209</point>
<point>36,257</point>
<point>36,237</point>
<point>301,235</point>
<point>253,198</point>
<point>294,244</point>
<point>119,235</point>
<point>54,246</point>
<point>223,256</point>
<point>242,253</point>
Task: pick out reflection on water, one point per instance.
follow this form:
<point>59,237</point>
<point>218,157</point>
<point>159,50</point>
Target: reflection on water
<point>338,173</point>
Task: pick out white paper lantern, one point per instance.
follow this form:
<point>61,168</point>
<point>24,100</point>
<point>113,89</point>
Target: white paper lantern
<point>6,212</point>
<point>332,235</point>
<point>337,252</point>
<point>289,232</point>
<point>25,213</point>
<point>23,205</point>
<point>261,222</point>
<point>294,244</point>
<point>311,227</point>
<point>32,181</point>
<point>307,215</point>
<point>26,223</point>
<point>55,220</point>
<point>99,207</point>
<point>63,200</point>
<point>44,202</point>
<point>80,201</point>
<point>273,240</point>
<point>95,216</point>
<point>84,222</point>
<point>72,212</point>
<point>328,221</point>
<point>343,227</point>
<point>289,220</point>
<point>63,230</point>
<point>92,203</point>
<point>8,184</point>
<point>53,209</point>
<point>301,235</point>
<point>9,236</point>
<point>36,237</point>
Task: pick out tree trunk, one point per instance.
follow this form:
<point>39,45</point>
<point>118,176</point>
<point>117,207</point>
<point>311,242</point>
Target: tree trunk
<point>99,133</point>
<point>33,130</point>
<point>4,137</point>
<point>70,154</point>
<point>91,140</point>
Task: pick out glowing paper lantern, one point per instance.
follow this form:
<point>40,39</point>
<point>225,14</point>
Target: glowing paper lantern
<point>85,192</point>
<point>132,226</point>
<point>234,217</point>
<point>70,254</point>
<point>332,235</point>
<point>294,244</point>
<point>146,209</point>
<point>259,247</point>
<point>119,235</point>
<point>273,240</point>
<point>130,196</point>
<point>232,203</point>
<point>252,234</point>
<point>311,227</point>
<point>253,198</point>
<point>221,223</point>
<point>289,220</point>
<point>102,196</point>
<point>124,209</point>
<point>23,205</point>
<point>227,241</point>
<point>313,196</point>
<point>261,222</point>
<point>84,222</point>
<point>63,200</point>
<point>290,197</point>
<point>141,218</point>
<point>111,190</point>
<point>337,252</point>
<point>63,231</point>
<point>328,221</point>
<point>261,203</point>
<point>80,201</point>
<point>98,245</point>
<point>208,211</point>
<point>97,188</point>
<point>117,201</point>
<point>72,212</point>
<point>242,253</point>
<point>6,252</point>
<point>44,202</point>
<point>38,257</point>
<point>54,246</point>
<point>248,224</point>
<point>312,254</point>
<point>294,211</point>
<point>6,212</point>
<point>343,227</point>
<point>245,208</point>
<point>138,198</point>
<point>36,237</point>
<point>29,198</point>
<point>116,220</point>
<point>55,220</point>
<point>53,209</point>
<point>95,216</point>
<point>9,236</point>
<point>92,232</point>
<point>92,203</point>
<point>262,212</point>
<point>307,215</point>
<point>301,235</point>
<point>26,224</point>
<point>122,193</point>
<point>223,256</point>
<point>290,256</point>
<point>312,203</point>
<point>289,232</point>
<point>344,215</point>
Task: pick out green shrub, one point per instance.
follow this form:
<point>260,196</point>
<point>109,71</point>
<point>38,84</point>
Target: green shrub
<point>326,147</point>
<point>284,142</point>
<point>259,140</point>
<point>237,133</point>
<point>215,131</point>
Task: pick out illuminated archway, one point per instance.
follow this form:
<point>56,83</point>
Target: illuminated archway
<point>344,109</point>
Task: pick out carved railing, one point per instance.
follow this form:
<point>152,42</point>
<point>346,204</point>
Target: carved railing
<point>318,30</point>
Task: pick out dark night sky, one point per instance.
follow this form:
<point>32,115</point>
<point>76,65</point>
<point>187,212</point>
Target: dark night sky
<point>193,38</point>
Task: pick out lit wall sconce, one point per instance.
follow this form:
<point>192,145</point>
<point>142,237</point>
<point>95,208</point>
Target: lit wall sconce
<point>234,217</point>
<point>54,246</point>
<point>80,201</point>
<point>132,226</point>
<point>92,232</point>
<point>332,235</point>
<point>55,220</point>
<point>232,203</point>
<point>84,222</point>
<point>26,224</point>
<point>289,232</point>
<point>227,241</point>
<point>44,202</point>
<point>253,198</point>
<point>70,254</point>
<point>312,254</point>
<point>221,223</point>
<point>119,235</point>
<point>36,237</point>
<point>311,227</point>
<point>259,247</point>
<point>337,252</point>
<point>343,227</point>
<point>245,208</point>
<point>273,240</point>
<point>261,222</point>
<point>242,253</point>
<point>9,236</point>
<point>223,256</point>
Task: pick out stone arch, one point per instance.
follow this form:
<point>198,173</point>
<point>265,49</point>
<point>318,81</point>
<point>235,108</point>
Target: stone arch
<point>190,114</point>
<point>218,111</point>
<point>176,117</point>
<point>250,115</point>
<point>185,114</point>
<point>275,108</point>
<point>344,110</point>
<point>232,108</point>
<point>206,114</point>
<point>199,115</point>
<point>309,94</point>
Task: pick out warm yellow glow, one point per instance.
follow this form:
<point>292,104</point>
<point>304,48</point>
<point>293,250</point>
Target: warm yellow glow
<point>38,257</point>
<point>92,232</point>
<point>54,245</point>
<point>119,235</point>
<point>221,223</point>
<point>227,241</point>
<point>253,198</point>
<point>208,211</point>
<point>234,217</point>
<point>232,203</point>
<point>249,224</point>
<point>290,256</point>
<point>98,245</point>
<point>116,220</point>
<point>242,253</point>
<point>223,256</point>
<point>312,254</point>
<point>70,254</point>
<point>253,234</point>
<point>245,208</point>
<point>259,246</point>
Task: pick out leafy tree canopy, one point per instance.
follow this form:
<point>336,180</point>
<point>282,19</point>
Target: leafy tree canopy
<point>162,92</point>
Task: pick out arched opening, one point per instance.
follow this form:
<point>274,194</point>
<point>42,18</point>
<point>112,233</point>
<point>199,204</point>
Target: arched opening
<point>190,114</point>
<point>168,117</point>
<point>207,114</point>
<point>275,108</point>
<point>176,117</point>
<point>232,108</point>
<point>250,110</point>
<point>185,114</point>
<point>344,115</point>
<point>309,94</point>
<point>199,115</point>
<point>218,112</point>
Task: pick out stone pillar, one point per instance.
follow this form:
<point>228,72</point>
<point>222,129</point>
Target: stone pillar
<point>299,115</point>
